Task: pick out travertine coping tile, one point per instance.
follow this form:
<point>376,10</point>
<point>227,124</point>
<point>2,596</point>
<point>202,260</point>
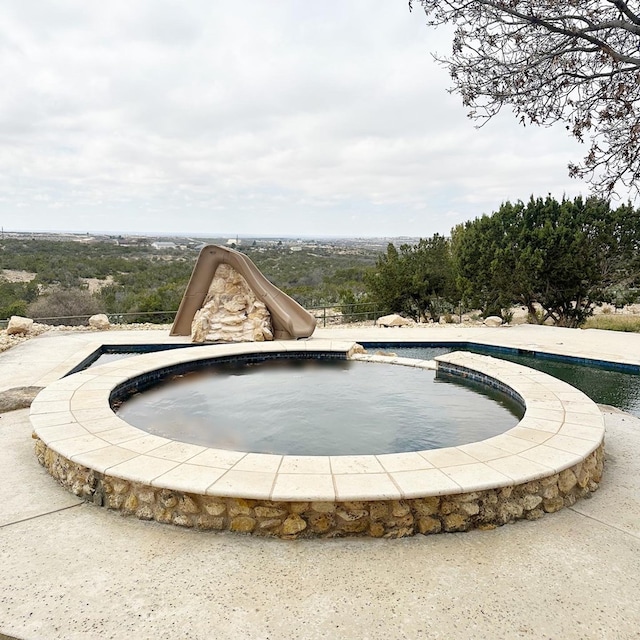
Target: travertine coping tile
<point>107,424</point>
<point>481,451</point>
<point>447,457</point>
<point>355,464</point>
<point>177,451</point>
<point>104,458</point>
<point>546,414</point>
<point>41,420</point>
<point>365,486</point>
<point>88,415</point>
<point>520,469</point>
<point>584,419</point>
<point>403,461</point>
<point>53,433</point>
<point>530,435</point>
<point>586,432</point>
<point>49,406</point>
<point>509,443</point>
<point>264,462</point>
<point>477,476</point>
<point>145,443</point>
<point>425,482</point>
<point>305,464</point>
<point>218,458</point>
<point>254,485</point>
<point>188,477</point>
<point>119,435</point>
<point>142,468</point>
<point>304,486</point>
<point>79,444</point>
<point>555,458</point>
<point>569,444</point>
<point>539,424</point>
<point>54,394</point>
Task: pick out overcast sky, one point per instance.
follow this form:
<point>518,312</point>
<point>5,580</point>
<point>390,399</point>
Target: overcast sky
<point>256,118</point>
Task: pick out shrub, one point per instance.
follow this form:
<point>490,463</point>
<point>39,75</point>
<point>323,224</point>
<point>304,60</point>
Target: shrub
<point>64,306</point>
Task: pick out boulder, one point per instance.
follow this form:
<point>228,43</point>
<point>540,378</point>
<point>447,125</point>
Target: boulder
<point>393,320</point>
<point>19,325</point>
<point>493,321</point>
<point>100,322</point>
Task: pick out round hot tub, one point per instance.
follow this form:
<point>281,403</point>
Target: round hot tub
<point>549,459</point>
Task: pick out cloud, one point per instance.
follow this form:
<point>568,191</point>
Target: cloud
<point>282,118</point>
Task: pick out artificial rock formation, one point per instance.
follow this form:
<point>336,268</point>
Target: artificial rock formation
<point>231,312</point>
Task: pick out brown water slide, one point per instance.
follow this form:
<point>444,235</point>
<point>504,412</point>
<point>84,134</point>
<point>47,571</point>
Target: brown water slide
<point>290,320</point>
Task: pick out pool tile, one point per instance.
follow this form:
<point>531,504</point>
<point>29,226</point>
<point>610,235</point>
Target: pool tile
<point>190,478</point>
<point>305,464</point>
<point>425,482</point>
<point>403,461</point>
<point>355,464</point>
<point>254,485</point>
<point>365,486</point>
<point>303,486</point>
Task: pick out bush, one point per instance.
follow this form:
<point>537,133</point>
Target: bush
<point>64,306</point>
<point>614,323</point>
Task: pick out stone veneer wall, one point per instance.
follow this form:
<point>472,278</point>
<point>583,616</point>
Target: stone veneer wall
<point>485,509</point>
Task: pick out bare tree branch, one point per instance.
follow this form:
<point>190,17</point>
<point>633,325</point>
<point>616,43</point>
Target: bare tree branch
<point>553,61</point>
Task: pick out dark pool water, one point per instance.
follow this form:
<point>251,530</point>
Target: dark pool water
<point>320,407</point>
<point>615,388</point>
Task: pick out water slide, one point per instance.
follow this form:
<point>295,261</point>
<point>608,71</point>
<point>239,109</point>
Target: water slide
<point>290,320</point>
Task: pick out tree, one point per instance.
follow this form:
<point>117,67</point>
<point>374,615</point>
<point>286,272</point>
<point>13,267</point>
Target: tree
<point>565,256</point>
<point>418,280</point>
<point>570,61</point>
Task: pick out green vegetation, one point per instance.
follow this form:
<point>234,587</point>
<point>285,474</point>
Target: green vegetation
<point>565,256</point>
<point>142,281</point>
<point>417,280</point>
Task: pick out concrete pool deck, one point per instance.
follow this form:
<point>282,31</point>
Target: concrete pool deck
<point>71,570</point>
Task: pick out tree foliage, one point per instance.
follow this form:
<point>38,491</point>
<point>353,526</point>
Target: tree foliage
<point>417,280</point>
<point>577,62</point>
<point>565,256</point>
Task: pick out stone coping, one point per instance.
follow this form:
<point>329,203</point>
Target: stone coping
<point>561,428</point>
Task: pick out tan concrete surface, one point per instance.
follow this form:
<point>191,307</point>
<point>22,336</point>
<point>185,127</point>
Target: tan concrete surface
<point>72,570</point>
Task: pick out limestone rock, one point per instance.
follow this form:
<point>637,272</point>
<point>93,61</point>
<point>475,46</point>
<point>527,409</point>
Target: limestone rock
<point>18,398</point>
<point>493,321</point>
<point>19,325</point>
<point>100,321</point>
<point>393,320</point>
<point>231,312</point>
